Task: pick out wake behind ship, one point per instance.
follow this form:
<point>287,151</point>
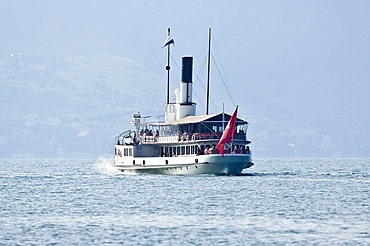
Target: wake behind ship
<point>185,143</point>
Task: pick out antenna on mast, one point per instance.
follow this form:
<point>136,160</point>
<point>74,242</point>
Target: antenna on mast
<point>168,69</point>
<point>209,69</point>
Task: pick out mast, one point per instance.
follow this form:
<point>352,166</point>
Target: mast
<point>209,69</point>
<point>168,69</point>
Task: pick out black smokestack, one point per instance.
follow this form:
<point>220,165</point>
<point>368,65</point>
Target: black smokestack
<point>187,69</point>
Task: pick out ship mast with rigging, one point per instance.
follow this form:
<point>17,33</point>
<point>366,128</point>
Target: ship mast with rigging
<point>209,69</point>
<point>168,69</point>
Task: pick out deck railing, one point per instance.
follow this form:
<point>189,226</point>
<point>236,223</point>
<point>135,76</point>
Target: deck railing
<point>148,138</point>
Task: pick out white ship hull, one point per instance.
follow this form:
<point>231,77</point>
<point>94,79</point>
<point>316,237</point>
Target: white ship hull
<point>230,164</point>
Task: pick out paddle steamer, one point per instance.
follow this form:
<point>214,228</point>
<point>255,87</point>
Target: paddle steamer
<point>185,143</point>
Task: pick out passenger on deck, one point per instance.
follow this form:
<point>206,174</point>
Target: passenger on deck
<point>226,149</point>
<point>215,150</point>
<point>236,150</point>
<point>200,151</point>
<point>243,150</point>
<point>206,151</point>
<point>185,136</point>
<point>248,151</point>
<point>211,150</point>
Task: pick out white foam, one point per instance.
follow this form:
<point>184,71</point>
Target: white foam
<point>104,165</point>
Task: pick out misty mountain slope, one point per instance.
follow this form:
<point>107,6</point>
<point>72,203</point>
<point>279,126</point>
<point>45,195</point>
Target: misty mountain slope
<point>98,72</point>
<point>73,87</point>
<point>56,105</point>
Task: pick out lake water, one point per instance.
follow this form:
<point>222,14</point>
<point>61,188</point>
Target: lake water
<point>283,202</point>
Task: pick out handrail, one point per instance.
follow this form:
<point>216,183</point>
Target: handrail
<point>149,138</point>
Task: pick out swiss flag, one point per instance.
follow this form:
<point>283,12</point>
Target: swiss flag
<point>228,133</point>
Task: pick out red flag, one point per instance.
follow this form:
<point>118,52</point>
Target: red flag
<point>228,132</point>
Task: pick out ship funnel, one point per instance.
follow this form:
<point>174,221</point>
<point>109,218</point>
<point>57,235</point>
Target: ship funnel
<point>187,69</point>
<point>184,105</point>
<point>186,85</point>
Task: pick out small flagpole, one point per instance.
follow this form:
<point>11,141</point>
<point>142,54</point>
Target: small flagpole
<point>168,69</point>
<point>232,139</point>
<point>223,117</point>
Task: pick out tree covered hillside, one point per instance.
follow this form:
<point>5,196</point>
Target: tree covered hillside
<point>56,105</point>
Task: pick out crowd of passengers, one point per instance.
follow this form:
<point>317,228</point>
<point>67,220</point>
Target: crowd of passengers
<point>185,136</point>
<point>227,150</point>
<point>214,150</point>
<point>148,132</point>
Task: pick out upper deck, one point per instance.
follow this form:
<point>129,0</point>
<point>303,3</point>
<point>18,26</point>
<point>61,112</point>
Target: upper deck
<point>203,128</point>
<point>187,137</point>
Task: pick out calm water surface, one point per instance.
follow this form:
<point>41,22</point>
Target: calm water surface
<point>282,202</point>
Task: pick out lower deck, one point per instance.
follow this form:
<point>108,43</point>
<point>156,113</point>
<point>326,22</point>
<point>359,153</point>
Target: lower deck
<point>178,149</point>
<point>185,165</point>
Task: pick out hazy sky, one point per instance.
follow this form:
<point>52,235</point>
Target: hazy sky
<point>293,58</point>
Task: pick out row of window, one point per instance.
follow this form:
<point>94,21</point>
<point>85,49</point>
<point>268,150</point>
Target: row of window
<point>175,151</point>
<point>126,152</point>
<point>180,150</point>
